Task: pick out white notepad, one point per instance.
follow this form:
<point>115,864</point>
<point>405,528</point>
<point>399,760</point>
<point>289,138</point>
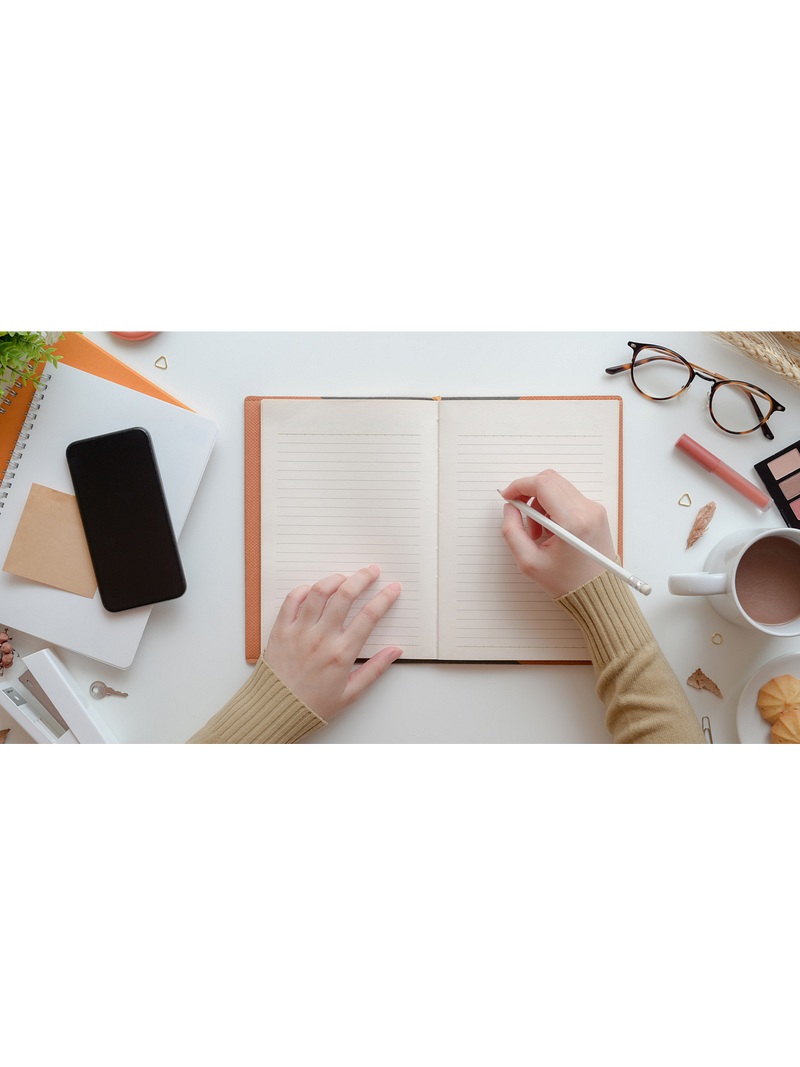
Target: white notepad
<point>75,405</point>
<point>412,486</point>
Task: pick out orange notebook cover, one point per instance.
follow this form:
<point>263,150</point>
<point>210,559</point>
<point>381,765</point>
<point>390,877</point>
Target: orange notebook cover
<point>76,351</point>
<point>252,513</point>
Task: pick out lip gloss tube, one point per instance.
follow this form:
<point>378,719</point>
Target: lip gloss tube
<point>713,465</point>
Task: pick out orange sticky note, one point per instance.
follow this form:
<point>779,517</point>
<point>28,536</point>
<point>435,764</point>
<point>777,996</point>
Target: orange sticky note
<point>49,545</point>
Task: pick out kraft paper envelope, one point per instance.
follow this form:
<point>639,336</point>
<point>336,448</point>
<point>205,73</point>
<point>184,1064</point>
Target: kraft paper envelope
<point>49,545</point>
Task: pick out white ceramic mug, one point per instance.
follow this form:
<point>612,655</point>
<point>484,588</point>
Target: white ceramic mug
<point>751,578</point>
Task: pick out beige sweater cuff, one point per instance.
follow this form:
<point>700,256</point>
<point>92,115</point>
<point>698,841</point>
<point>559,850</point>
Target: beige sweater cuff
<point>610,618</point>
<point>263,712</point>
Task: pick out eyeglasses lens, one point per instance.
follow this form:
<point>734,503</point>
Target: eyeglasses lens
<point>733,409</point>
<point>658,375</point>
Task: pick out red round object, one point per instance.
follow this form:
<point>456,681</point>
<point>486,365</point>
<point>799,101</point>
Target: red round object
<point>7,660</point>
<point>134,333</point>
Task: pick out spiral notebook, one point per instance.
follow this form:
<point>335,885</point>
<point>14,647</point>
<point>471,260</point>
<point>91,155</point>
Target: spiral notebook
<point>335,484</point>
<point>73,404</point>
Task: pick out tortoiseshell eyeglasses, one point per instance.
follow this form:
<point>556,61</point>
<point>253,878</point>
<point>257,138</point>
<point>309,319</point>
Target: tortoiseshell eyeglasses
<point>736,407</point>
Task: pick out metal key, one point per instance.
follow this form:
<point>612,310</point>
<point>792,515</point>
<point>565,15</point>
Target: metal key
<point>100,690</point>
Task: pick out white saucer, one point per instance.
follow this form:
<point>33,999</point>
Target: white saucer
<point>753,730</point>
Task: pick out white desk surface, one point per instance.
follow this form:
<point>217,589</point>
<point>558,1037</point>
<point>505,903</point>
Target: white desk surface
<point>191,659</point>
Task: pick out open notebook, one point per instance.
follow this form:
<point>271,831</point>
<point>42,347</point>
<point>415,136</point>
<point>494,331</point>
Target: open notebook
<point>337,484</point>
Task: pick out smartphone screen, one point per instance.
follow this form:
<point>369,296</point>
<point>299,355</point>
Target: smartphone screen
<point>126,519</point>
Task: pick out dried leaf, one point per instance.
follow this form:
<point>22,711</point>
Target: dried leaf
<point>704,517</point>
<point>3,735</point>
<point>700,681</point>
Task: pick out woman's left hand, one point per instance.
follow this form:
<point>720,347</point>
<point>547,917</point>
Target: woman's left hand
<point>313,652</point>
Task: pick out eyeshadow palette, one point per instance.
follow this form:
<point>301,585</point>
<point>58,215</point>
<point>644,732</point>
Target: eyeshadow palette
<point>781,477</point>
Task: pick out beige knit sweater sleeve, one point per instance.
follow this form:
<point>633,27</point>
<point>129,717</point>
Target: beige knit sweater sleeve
<point>644,700</point>
<point>263,712</point>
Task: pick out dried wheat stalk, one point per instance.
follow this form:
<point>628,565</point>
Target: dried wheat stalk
<point>772,350</point>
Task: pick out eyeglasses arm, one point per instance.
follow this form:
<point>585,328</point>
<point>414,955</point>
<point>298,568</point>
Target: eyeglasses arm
<point>770,436</point>
<point>662,356</point>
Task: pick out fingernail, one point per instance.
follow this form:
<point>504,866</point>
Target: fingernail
<point>396,653</point>
<point>395,587</point>
<point>374,567</point>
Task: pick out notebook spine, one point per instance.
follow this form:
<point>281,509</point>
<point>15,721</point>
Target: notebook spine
<point>31,415</point>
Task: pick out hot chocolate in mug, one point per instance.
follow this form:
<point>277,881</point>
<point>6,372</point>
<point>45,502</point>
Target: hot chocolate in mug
<point>752,578</point>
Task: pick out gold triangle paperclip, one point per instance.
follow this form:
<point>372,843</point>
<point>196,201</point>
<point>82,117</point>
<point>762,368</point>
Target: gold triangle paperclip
<point>685,501</point>
<point>161,362</point>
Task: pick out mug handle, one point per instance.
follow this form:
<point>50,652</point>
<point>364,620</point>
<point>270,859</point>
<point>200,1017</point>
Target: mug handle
<point>701,584</point>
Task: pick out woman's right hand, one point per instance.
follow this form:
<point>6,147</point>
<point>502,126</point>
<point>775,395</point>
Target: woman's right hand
<point>556,566</point>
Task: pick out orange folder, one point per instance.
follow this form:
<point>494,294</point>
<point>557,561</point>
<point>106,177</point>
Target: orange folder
<point>76,351</point>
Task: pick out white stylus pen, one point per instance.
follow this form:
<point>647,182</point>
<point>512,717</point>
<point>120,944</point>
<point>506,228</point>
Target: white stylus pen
<point>592,553</point>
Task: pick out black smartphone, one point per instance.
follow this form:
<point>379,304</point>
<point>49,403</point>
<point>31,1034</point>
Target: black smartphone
<point>126,519</point>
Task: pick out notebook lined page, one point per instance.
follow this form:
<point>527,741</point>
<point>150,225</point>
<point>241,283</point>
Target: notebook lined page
<point>487,609</point>
<point>348,483</point>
